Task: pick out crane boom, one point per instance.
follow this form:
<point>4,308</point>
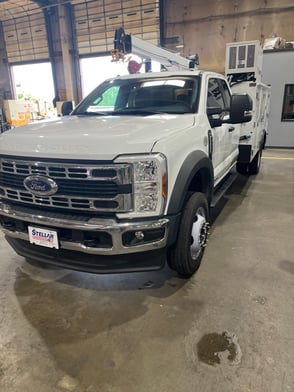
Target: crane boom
<point>126,43</point>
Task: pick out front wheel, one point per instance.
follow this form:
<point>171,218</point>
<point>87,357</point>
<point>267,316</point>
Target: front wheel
<point>185,256</point>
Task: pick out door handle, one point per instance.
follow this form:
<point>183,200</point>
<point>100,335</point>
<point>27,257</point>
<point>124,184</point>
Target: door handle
<point>231,129</point>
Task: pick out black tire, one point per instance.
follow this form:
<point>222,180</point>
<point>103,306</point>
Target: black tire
<point>242,168</point>
<point>264,141</point>
<point>186,255</point>
<point>255,163</point>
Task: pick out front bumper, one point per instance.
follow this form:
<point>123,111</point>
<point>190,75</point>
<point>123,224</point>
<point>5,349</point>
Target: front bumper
<point>84,242</point>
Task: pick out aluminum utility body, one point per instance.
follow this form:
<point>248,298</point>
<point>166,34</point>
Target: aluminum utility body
<point>126,181</point>
<point>244,73</point>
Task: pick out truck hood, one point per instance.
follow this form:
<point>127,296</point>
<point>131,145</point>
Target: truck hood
<point>93,137</point>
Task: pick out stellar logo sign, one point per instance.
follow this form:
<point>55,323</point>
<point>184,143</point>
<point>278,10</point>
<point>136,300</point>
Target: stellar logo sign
<point>42,236</point>
<point>40,185</point>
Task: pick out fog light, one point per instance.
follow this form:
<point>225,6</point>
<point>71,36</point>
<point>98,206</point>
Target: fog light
<point>139,235</point>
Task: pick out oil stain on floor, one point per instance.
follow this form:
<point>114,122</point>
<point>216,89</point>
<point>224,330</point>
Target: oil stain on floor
<point>216,348</point>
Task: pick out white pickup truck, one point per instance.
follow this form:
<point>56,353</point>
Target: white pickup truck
<point>126,181</point>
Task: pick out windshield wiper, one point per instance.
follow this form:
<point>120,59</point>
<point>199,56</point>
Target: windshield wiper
<point>91,113</point>
<point>139,112</point>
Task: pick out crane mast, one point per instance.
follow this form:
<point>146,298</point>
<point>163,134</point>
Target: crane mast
<point>125,44</point>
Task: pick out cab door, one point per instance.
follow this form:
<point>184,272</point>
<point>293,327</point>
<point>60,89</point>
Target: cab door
<point>224,139</point>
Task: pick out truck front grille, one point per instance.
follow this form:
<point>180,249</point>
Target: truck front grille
<point>94,186</point>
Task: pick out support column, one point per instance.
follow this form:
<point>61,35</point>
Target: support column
<point>63,54</point>
<point>69,53</point>
<point>6,89</point>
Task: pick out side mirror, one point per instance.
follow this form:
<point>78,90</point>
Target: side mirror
<point>214,116</point>
<point>66,108</point>
<point>241,109</point>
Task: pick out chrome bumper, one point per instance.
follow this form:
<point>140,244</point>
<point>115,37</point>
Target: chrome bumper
<point>110,226</point>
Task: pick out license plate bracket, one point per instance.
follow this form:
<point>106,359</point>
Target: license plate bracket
<point>43,237</point>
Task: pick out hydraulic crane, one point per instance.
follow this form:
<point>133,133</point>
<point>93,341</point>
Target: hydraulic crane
<point>126,43</point>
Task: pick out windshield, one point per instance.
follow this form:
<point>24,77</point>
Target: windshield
<point>142,96</point>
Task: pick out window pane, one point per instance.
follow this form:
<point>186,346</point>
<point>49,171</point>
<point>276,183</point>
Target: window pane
<point>214,97</point>
<point>226,94</point>
<point>288,104</point>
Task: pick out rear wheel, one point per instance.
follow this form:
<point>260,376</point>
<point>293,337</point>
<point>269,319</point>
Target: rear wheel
<point>242,168</point>
<point>255,164</point>
<point>185,257</point>
<point>264,141</point>
<point>252,167</point>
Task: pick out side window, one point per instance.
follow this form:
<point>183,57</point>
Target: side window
<point>288,104</point>
<point>215,94</point>
<point>225,93</point>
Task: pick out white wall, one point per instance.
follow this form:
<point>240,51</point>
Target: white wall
<point>204,27</point>
<point>278,70</point>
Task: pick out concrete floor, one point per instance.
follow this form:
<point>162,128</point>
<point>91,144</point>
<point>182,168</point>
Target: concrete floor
<point>228,329</point>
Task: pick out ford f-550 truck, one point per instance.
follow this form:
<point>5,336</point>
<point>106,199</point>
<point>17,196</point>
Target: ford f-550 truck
<point>126,181</point>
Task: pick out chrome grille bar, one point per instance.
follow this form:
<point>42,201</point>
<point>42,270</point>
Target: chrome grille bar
<point>75,196</point>
<point>121,174</point>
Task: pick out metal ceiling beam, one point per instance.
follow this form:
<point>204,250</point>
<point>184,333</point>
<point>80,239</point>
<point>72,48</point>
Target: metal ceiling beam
<point>45,3</point>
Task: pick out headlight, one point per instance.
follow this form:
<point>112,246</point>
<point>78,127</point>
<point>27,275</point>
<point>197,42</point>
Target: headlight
<point>149,184</point>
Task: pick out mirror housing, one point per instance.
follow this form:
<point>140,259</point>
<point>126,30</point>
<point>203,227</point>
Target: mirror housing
<point>241,109</point>
<point>66,108</point>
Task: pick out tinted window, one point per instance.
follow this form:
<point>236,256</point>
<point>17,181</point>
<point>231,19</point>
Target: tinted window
<point>226,93</point>
<point>214,95</point>
<point>288,103</point>
<point>218,94</point>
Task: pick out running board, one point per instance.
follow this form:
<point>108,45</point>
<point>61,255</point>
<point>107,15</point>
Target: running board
<point>223,188</point>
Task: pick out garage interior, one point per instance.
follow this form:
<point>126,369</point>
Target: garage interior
<point>228,328</point>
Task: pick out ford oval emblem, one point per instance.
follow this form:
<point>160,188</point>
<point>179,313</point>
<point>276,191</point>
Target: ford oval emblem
<point>40,185</point>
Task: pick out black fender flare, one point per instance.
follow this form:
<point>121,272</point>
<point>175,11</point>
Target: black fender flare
<point>196,163</point>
